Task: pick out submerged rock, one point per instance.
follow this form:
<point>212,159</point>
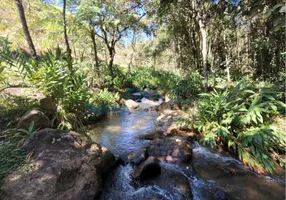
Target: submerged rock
<point>171,181</point>
<point>64,165</point>
<point>152,135</point>
<point>147,169</point>
<point>221,195</point>
<point>34,115</point>
<point>137,157</point>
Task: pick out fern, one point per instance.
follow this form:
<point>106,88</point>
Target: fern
<point>235,118</point>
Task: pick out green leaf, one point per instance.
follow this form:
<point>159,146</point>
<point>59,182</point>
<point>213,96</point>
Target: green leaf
<point>283,9</point>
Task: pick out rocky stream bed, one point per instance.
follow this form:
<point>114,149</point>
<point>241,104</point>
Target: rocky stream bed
<point>135,154</point>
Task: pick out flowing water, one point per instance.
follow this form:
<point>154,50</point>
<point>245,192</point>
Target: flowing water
<point>210,175</point>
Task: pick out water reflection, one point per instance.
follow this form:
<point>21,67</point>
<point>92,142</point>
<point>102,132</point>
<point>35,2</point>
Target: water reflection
<point>120,133</point>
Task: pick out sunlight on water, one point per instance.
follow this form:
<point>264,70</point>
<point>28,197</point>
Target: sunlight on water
<point>210,175</point>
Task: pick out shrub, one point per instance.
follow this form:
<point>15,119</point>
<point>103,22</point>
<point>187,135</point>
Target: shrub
<point>12,107</point>
<point>11,156</point>
<point>51,75</point>
<point>150,77</point>
<point>55,80</point>
<point>188,88</point>
<point>121,80</point>
<point>238,118</point>
<point>103,102</point>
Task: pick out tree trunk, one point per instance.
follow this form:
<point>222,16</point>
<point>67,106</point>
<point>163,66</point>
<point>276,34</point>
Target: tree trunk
<point>111,59</point>
<point>227,61</point>
<point>130,63</point>
<point>66,36</point>
<point>110,67</point>
<point>204,53</point>
<point>228,73</point>
<point>25,27</point>
<point>133,43</point>
<point>92,35</point>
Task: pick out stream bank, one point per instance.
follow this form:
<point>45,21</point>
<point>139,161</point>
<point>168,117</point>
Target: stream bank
<point>208,175</point>
<point>200,173</point>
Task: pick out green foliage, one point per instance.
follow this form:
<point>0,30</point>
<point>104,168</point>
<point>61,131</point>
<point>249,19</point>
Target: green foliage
<point>188,88</point>
<point>12,107</point>
<point>51,75</point>
<point>121,78</point>
<point>69,89</point>
<point>28,131</point>
<point>11,157</point>
<point>66,119</point>
<point>4,53</point>
<point>103,102</point>
<point>150,77</point>
<point>235,118</point>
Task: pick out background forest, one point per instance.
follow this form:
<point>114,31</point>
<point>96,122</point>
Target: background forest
<point>225,57</point>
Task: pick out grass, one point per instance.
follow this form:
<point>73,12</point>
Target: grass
<point>11,156</point>
<point>12,107</point>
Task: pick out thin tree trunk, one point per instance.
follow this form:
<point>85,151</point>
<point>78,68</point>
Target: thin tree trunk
<point>25,27</point>
<point>66,36</point>
<point>228,74</point>
<point>110,66</point>
<point>204,53</point>
<point>111,60</point>
<point>227,69</point>
<point>133,43</point>
<point>227,61</point>
<point>92,35</point>
<point>130,62</point>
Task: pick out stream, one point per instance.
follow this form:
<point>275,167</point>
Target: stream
<point>210,175</point>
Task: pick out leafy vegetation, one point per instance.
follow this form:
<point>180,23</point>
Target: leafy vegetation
<point>176,48</point>
<point>11,157</point>
<point>188,88</point>
<point>104,102</point>
<point>238,118</point>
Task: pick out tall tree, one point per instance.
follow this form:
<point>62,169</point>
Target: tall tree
<point>112,20</point>
<point>201,8</point>
<point>87,13</point>
<point>68,49</point>
<point>25,27</point>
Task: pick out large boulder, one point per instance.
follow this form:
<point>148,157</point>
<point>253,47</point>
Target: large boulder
<point>147,169</point>
<point>34,115</point>
<point>63,165</point>
<point>48,104</point>
<point>131,104</point>
<point>167,121</point>
<point>171,150</point>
